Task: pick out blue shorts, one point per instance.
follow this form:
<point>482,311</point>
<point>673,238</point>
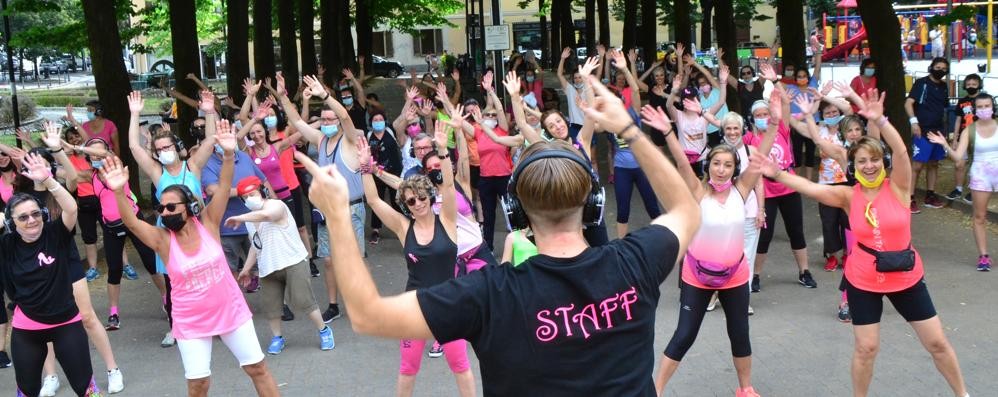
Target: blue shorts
<point>924,151</point>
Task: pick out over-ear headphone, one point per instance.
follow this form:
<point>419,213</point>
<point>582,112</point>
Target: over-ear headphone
<point>178,145</point>
<point>400,195</point>
<point>17,199</point>
<point>592,209</point>
<point>91,141</point>
<point>705,166</point>
<point>851,167</point>
<point>191,201</point>
<point>98,108</point>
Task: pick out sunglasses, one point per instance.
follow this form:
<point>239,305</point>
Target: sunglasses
<point>161,208</point>
<point>411,201</point>
<point>491,114</point>
<point>36,214</point>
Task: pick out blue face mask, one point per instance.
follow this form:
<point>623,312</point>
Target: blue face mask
<point>218,149</point>
<point>762,123</point>
<point>91,115</point>
<point>869,72</point>
<point>833,120</point>
<point>378,125</point>
<point>329,130</point>
<point>270,122</point>
<point>347,101</point>
<point>97,164</point>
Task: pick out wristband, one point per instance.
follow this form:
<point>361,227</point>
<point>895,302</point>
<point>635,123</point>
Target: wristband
<point>56,151</point>
<point>632,137</point>
<point>882,121</point>
<point>913,120</point>
<point>444,157</point>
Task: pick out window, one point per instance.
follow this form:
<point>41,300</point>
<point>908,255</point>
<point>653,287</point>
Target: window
<point>428,41</point>
<point>381,44</point>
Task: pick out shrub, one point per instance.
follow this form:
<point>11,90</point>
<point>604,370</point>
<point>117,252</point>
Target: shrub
<point>26,107</point>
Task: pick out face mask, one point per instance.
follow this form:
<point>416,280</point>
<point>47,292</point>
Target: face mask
<point>939,74</point>
<point>270,122</point>
<point>971,91</point>
<point>870,184</point>
<point>97,164</point>
<point>747,81</point>
<point>329,130</point>
<point>91,116</point>
<point>530,79</point>
<point>197,132</point>
<point>530,100</point>
<point>238,125</point>
<point>605,81</point>
<point>802,82</point>
<point>705,89</point>
<point>378,125</point>
<point>833,120</point>
<point>490,123</point>
<point>254,203</point>
<point>762,123</point>
<point>347,101</point>
<point>218,149</point>
<point>579,86</point>
<point>720,187</point>
<point>985,114</point>
<point>413,130</point>
<point>167,158</point>
<point>869,72</point>
<point>174,222</point>
<point>788,73</point>
<point>344,87</point>
<point>436,176</point>
<point>734,143</point>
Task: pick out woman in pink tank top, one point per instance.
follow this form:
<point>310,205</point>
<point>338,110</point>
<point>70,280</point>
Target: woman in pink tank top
<point>881,221</point>
<point>207,302</point>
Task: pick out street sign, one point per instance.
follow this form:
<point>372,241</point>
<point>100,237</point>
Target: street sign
<point>497,38</point>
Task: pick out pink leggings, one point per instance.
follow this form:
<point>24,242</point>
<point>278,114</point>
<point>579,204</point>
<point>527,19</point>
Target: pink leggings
<point>411,352</point>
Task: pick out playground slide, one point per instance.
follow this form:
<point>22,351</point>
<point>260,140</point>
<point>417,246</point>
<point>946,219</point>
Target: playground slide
<point>840,50</point>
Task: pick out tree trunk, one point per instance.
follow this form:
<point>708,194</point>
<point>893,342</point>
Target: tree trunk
<point>707,9</point>
<point>555,27</point>
<point>263,40</point>
<point>630,24</point>
<point>306,23</point>
<point>604,22</point>
<point>110,76</point>
<point>590,28</point>
<point>330,57</point>
<point>648,39</point>
<point>545,34</point>
<point>186,59</point>
<point>567,28</point>
<point>365,32</point>
<point>347,55</point>
<point>289,44</point>
<point>681,10</point>
<point>883,33</point>
<point>789,18</point>
<point>724,21</point>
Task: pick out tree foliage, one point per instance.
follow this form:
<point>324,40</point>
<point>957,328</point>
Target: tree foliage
<point>154,22</point>
<point>408,15</point>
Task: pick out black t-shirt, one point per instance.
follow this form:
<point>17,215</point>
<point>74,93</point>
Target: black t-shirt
<point>38,276</point>
<point>358,114</point>
<point>561,326</point>
<point>930,102</point>
<point>386,151</point>
<point>747,97</point>
<point>964,107</point>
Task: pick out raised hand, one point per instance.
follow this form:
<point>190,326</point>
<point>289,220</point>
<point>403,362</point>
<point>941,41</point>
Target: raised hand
<point>69,112</point>
<point>23,136</point>
<point>442,92</point>
<point>566,52</point>
<point>776,107</point>
<point>601,50</point>
<point>51,136</point>
<point>224,136</point>
<point>764,164</point>
<point>135,102</point>
<point>608,110</point>
<point>36,168</point>
<point>677,83</point>
<point>426,108</point>
<point>440,135</point>
<point>487,81</point>
<point>591,64</point>
<point>281,90</point>
<point>805,103</point>
<point>476,114</point>
<point>314,84</point>
<point>363,152</point>
<point>656,118</point>
<point>262,111</point>
<point>306,93</point>
<point>767,72</point>
<point>619,61</point>
<point>512,84</point>
<point>249,87</point>
<point>207,104</point>
<point>191,76</point>
<point>632,55</point>
<point>680,49</point>
<point>456,75</point>
<point>873,109</point>
<point>692,105</point>
<point>17,153</point>
<point>348,74</point>
<point>458,115</point>
<point>723,74</point>
<point>114,173</point>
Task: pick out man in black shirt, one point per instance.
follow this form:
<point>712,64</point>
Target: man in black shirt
<point>572,320</point>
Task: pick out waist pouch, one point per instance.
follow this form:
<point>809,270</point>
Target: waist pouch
<point>713,274</point>
<point>116,227</point>
<point>892,261</point>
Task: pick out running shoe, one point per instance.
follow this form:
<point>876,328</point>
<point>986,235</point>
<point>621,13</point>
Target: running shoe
<point>955,194</point>
<point>933,201</point>
<point>286,314</point>
<point>276,345</point>
<point>831,263</point>
<point>713,303</point>
<point>914,206</point>
<point>92,274</point>
<point>436,350</point>
<point>130,272</point>
<point>326,339</point>
<point>375,237</point>
<point>168,340</point>
<point>968,199</point>
<point>844,315</point>
<point>311,268</point>
<point>331,313</point>
<point>806,280</point>
<point>50,386</point>
<point>113,323</point>
<point>746,392</point>
<point>115,381</point>
<point>254,285</point>
<point>755,283</point>
<point>750,310</point>
<point>984,263</point>
<point>4,359</point>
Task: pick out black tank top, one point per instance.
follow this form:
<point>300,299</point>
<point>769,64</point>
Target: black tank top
<point>429,264</point>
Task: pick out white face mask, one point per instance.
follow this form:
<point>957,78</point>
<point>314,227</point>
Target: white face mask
<point>254,203</point>
<point>490,123</point>
<point>167,158</point>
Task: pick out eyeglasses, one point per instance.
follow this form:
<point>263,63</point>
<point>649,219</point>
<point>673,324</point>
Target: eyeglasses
<point>422,148</point>
<point>36,214</point>
<point>411,201</point>
<point>160,208</point>
<point>491,114</point>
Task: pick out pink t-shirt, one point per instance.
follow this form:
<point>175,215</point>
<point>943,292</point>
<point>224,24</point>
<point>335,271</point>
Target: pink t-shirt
<point>108,204</point>
<point>6,190</point>
<point>105,133</point>
<point>206,299</point>
<point>495,158</point>
<point>782,154</point>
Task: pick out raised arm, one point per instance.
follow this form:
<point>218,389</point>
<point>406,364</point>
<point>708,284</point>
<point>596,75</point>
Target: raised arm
<point>830,195</point>
<point>565,53</point>
<point>640,86</point>
<point>40,173</point>
<point>657,119</point>
<point>197,81</point>
<point>76,124</point>
<point>448,209</point>
<point>54,144</point>
<point>900,162</point>
<point>358,88</point>
<point>115,178</point>
<point>513,141</point>
<point>310,133</point>
<point>146,163</point>
<point>512,84</point>
<point>393,219</point>
<point>212,215</point>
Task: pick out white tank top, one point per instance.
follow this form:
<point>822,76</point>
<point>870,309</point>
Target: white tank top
<point>722,229</point>
<point>986,148</point>
<point>277,246</point>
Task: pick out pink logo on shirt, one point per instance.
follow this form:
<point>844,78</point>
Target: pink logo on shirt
<point>45,260</point>
<point>598,320</point>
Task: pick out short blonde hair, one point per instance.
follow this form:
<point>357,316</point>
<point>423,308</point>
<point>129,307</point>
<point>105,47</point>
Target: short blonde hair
<point>732,118</point>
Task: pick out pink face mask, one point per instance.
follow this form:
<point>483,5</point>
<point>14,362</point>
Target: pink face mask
<point>720,187</point>
<point>413,130</point>
<point>985,114</point>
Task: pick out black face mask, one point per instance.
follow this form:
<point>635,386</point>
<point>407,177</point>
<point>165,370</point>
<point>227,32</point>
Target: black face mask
<point>174,222</point>
<point>971,91</point>
<point>436,176</point>
<point>939,74</point>
<point>197,133</point>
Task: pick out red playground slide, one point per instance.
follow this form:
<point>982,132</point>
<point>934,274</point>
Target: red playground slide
<point>840,50</point>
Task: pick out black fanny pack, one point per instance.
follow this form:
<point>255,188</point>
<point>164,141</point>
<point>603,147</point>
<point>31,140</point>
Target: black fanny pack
<point>116,227</point>
<point>892,261</point>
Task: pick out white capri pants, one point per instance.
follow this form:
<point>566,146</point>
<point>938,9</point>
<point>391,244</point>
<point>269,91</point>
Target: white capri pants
<point>196,353</point>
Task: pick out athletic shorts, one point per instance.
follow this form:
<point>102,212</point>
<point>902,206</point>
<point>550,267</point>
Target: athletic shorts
<point>924,151</point>
<point>913,303</point>
<point>196,353</point>
<point>984,175</point>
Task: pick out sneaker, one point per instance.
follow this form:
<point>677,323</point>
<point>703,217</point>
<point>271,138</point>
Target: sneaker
<point>115,381</point>
<point>755,283</point>
<point>713,303</point>
<point>92,274</point>
<point>276,345</point>
<point>436,350</point>
<point>49,386</point>
<point>4,359</point>
<point>750,310</point>
<point>113,323</point>
<point>326,339</point>
<point>746,392</point>
<point>286,314</point>
<point>806,280</point>
<point>254,285</point>
<point>375,237</point>
<point>313,269</point>
<point>331,313</point>
<point>844,315</point>
<point>955,194</point>
<point>130,273</point>
<point>831,263</point>
<point>968,199</point>
<point>933,201</point>
<point>914,206</point>
<point>168,340</point>
<point>984,263</point>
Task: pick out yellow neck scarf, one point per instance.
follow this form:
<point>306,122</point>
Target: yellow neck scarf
<point>870,184</point>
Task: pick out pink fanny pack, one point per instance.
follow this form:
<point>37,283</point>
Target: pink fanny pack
<point>692,156</point>
<point>712,274</point>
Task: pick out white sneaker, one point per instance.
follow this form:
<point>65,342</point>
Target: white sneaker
<point>115,381</point>
<point>168,340</point>
<point>49,386</point>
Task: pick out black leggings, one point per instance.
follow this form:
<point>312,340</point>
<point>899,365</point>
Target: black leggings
<point>804,151</point>
<point>89,213</point>
<point>388,195</point>
<point>624,181</point>
<point>490,189</point>
<point>693,306</point>
<point>72,350</point>
<point>114,245</point>
<point>834,222</point>
<point>791,207</point>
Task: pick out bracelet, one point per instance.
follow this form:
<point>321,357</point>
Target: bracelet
<point>882,121</point>
<point>51,189</point>
<point>56,151</point>
<point>444,157</point>
<point>913,120</point>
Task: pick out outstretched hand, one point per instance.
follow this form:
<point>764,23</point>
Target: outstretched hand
<point>114,173</point>
<point>135,102</point>
<point>763,164</point>
<point>873,109</point>
<point>656,118</point>
<point>512,84</point>
<point>767,73</point>
<point>608,110</point>
<point>207,104</point>
<point>36,169</point>
<point>51,138</point>
<point>224,136</point>
<point>592,63</point>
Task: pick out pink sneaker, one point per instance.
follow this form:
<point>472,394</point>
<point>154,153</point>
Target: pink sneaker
<point>746,392</point>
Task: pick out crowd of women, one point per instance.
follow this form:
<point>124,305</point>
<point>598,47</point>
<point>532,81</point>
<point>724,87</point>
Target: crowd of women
<point>232,218</point>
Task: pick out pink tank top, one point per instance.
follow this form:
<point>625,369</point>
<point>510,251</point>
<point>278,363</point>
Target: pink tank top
<point>6,190</point>
<point>893,233</point>
<point>206,299</point>
<point>270,165</point>
<point>469,235</point>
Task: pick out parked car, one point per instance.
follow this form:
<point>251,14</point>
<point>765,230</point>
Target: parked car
<point>54,67</point>
<point>386,68</point>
